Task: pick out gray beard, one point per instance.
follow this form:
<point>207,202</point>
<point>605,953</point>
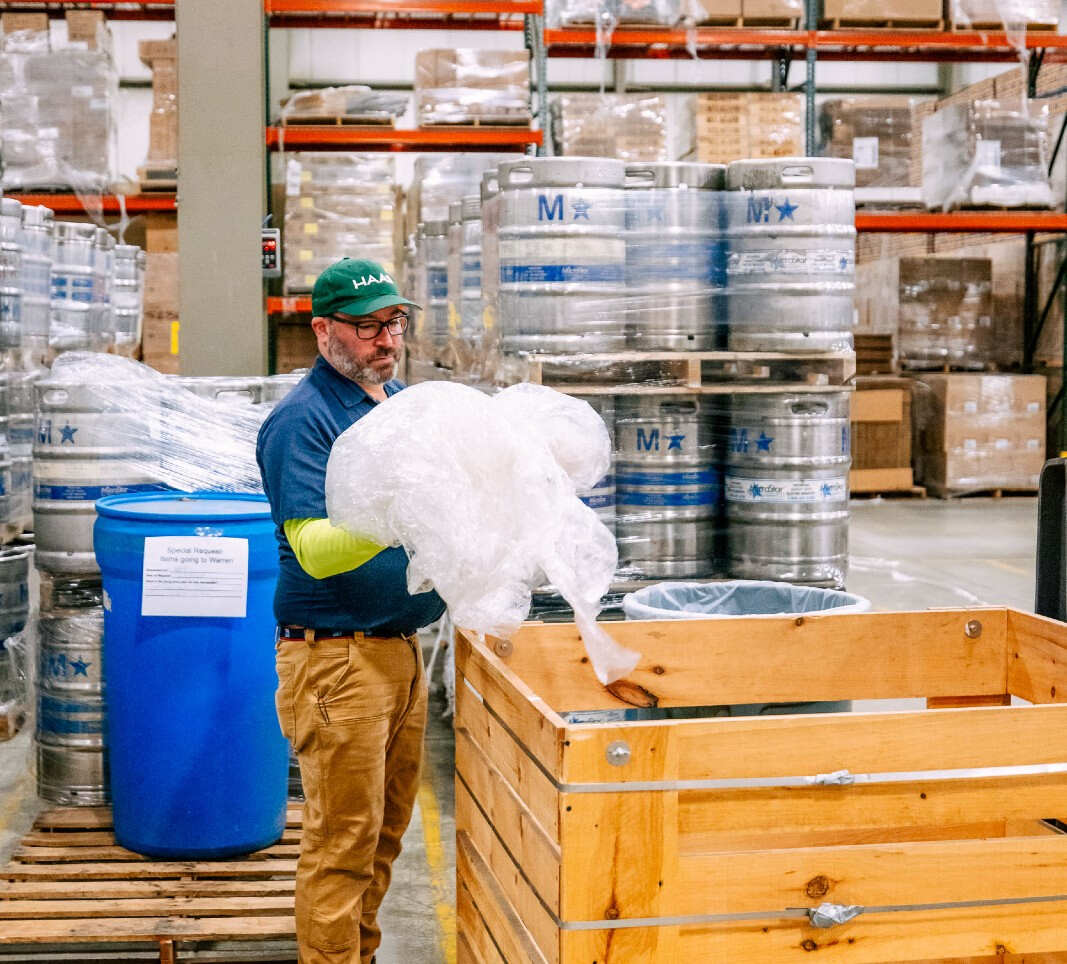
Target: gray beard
<point>364,374</point>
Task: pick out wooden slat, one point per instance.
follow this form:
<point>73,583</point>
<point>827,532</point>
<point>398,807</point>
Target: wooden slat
<point>507,875</point>
<point>127,929</point>
<point>130,871</point>
<point>537,854</point>
<point>868,939</point>
<point>473,943</point>
<point>509,757</point>
<point>523,711</point>
<point>91,818</point>
<point>59,855</point>
<point>505,925</point>
<point>708,662</point>
<point>148,907</point>
<point>123,889</point>
<point>872,876</point>
<point>927,803</point>
<point>1037,658</point>
<point>769,746</point>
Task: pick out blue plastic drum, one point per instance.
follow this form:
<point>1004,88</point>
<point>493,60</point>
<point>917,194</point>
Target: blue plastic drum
<point>198,763</point>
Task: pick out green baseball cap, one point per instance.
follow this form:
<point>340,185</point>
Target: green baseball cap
<point>355,286</point>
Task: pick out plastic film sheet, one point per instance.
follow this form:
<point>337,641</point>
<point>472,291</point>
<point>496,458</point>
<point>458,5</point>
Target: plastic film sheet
<point>606,15</point>
<point>631,127</point>
<point>986,153</point>
<point>186,440</point>
<point>463,85</point>
<point>352,101</point>
<point>979,432</point>
<point>876,133</point>
<point>482,493</point>
<point>337,205</point>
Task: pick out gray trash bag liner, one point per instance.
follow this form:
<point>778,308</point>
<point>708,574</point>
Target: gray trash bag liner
<point>738,597</point>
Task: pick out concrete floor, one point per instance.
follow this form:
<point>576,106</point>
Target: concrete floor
<point>906,554</point>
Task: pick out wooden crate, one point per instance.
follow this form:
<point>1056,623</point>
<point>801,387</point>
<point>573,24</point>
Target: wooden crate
<point>687,841</point>
<point>69,886</point>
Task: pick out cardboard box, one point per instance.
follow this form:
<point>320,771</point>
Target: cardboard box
<point>14,22</point>
<point>161,282</point>
<point>876,11</point>
<point>86,26</point>
<point>881,435</point>
<point>772,9</point>
<point>152,50</point>
<point>160,341</point>
<point>718,10</point>
<point>161,232</point>
<point>294,347</point>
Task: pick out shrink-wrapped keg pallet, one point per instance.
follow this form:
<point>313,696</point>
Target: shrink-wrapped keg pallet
<point>69,888</point>
<point>886,836</point>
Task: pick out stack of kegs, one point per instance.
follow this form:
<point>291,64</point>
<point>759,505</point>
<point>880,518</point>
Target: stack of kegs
<point>74,308</point>
<point>71,713</point>
<point>10,274</point>
<point>127,298</point>
<point>36,284</point>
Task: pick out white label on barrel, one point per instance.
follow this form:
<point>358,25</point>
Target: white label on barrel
<point>195,576</point>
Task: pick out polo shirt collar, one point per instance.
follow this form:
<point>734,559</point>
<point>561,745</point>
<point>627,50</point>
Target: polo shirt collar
<point>346,391</point>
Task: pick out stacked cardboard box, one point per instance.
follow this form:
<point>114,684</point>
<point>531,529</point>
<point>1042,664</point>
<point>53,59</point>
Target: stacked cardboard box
<point>775,13</point>
<point>986,152</point>
<point>997,14</point>
<point>56,106</point>
<point>336,206</point>
<point>160,330</point>
<point>161,57</point>
<point>977,432</point>
<point>732,126</point>
<point>632,127</point>
<point>901,12</point>
<point>294,347</point>
<point>466,86</point>
<point>876,133</point>
<point>946,312</point>
<point>881,435</point>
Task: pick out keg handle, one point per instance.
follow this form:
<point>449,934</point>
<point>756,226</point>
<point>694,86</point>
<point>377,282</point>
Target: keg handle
<point>227,394</point>
<point>797,174</point>
<point>809,407</point>
<point>55,396</point>
<point>640,177</point>
<point>678,408</point>
<point>523,174</point>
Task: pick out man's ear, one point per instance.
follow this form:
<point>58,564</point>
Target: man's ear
<point>318,325</point>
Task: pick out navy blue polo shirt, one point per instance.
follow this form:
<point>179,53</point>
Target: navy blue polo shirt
<point>293,448</point>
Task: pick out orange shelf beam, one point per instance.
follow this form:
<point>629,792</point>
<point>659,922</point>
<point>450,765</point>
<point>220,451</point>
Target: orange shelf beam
<point>292,304</point>
<point>853,45</point>
<point>114,9</point>
<point>998,221</point>
<point>329,10</point>
<point>391,139</point>
<point>72,204</point>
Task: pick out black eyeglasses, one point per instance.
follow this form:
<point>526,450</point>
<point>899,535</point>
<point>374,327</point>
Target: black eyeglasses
<point>367,329</point>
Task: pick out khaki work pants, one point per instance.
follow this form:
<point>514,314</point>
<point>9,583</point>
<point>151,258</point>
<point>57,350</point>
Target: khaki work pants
<point>355,711</point>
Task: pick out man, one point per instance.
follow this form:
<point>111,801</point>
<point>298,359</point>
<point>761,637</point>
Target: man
<point>351,695</point>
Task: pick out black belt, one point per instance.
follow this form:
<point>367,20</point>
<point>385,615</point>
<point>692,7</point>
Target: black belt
<point>299,632</point>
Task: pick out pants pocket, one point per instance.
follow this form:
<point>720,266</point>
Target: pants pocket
<point>283,700</point>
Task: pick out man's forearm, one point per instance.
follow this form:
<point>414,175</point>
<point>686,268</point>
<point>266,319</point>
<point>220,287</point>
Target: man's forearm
<point>323,550</point>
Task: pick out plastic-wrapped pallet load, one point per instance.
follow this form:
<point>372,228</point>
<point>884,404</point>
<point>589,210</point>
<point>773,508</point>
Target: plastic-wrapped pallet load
<point>355,103</point>
<point>629,127</point>
<point>731,126</point>
<point>441,179</point>
<point>945,313</point>
<point>979,432</point>
<point>337,205</point>
<point>56,114</point>
<point>987,153</point>
<point>161,57</point>
<point>609,13</point>
<point>466,85</point>
<point>1014,15</point>
<point>876,132</point>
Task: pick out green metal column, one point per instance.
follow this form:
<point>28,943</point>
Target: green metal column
<point>221,186</point>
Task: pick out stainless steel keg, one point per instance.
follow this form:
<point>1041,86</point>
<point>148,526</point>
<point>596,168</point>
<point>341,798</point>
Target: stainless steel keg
<point>786,487</point>
<point>453,265</point>
<point>602,497</point>
<point>675,256</point>
<point>36,280</point>
<point>791,254</point>
<point>84,449</point>
<point>561,241</point>
<point>73,287</point>
<point>14,589</point>
<point>10,273</point>
<point>127,297</point>
<point>668,486</point>
<point>432,261</point>
<point>227,389</point>
<point>103,335</point>
<point>273,388</point>
<point>71,720</point>
<point>490,195</point>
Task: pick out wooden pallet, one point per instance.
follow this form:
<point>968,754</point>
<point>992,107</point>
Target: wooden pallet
<point>336,120</point>
<point>891,23</point>
<point>68,883</point>
<point>985,493</point>
<point>157,178</point>
<point>501,121</point>
<point>694,372</point>
<point>914,492</point>
<point>874,354</point>
<point>997,26</point>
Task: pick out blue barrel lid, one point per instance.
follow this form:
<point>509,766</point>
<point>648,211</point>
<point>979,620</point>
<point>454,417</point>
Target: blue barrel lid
<point>185,506</point>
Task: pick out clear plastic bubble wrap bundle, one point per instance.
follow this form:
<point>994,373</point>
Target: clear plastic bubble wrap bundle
<point>481,492</point>
<point>172,435</point>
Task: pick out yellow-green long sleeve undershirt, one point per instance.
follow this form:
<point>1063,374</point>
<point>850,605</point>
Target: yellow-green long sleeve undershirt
<point>323,550</point>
